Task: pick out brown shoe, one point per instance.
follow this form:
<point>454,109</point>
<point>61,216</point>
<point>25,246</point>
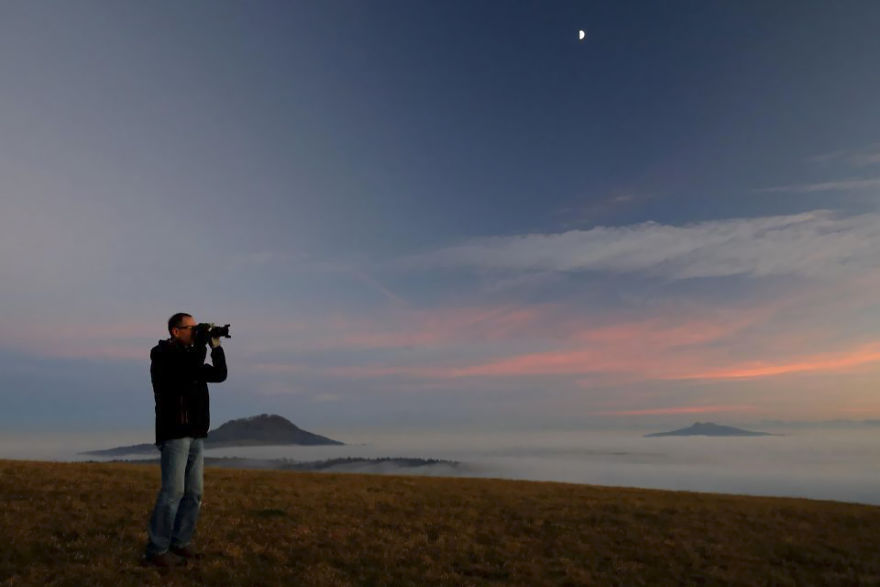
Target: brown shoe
<point>187,552</point>
<point>164,560</point>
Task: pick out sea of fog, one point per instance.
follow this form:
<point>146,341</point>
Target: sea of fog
<point>836,464</point>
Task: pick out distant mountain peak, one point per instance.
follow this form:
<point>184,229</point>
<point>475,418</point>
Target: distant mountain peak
<point>261,417</point>
<point>259,430</point>
<point>264,429</point>
<point>262,420</point>
<point>709,429</point>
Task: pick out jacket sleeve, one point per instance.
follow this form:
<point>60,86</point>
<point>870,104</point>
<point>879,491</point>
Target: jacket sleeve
<point>217,372</point>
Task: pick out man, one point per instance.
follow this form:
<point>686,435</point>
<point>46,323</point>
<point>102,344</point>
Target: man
<point>180,376</point>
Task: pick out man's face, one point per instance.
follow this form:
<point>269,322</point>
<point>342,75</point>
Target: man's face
<point>185,333</point>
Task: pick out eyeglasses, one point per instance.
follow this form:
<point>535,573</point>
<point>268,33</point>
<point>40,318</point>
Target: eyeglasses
<point>183,327</point>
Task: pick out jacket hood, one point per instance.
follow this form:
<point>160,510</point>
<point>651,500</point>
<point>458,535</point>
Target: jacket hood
<point>166,345</point>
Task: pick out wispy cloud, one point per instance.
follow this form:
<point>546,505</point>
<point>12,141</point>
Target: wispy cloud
<point>593,210</point>
<point>827,186</point>
<point>864,157</point>
<point>816,243</point>
<point>829,156</point>
<point>374,283</point>
<point>649,348</point>
<point>828,362</point>
<point>689,342</point>
<point>632,366</point>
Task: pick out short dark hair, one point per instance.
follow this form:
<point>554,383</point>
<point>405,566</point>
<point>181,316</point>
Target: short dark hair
<point>176,321</point>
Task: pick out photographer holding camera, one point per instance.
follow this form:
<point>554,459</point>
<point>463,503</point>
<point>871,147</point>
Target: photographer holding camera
<point>180,376</point>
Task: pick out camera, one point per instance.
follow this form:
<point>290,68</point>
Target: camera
<point>202,332</point>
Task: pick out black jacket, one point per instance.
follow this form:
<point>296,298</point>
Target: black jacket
<point>180,386</point>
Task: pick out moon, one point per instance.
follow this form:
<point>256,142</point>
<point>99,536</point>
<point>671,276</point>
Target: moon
<point>581,35</point>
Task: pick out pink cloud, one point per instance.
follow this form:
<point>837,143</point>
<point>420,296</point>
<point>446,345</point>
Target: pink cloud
<point>666,348</point>
<point>838,362</point>
<point>635,348</point>
<point>676,342</point>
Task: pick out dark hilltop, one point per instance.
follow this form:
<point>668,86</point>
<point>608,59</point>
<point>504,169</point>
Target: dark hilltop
<point>710,429</point>
<point>262,430</point>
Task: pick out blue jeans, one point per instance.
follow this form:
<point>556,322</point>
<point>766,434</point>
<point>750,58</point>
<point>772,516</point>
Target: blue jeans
<point>177,505</point>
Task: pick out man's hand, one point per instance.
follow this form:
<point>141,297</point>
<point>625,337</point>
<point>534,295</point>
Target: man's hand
<point>213,342</point>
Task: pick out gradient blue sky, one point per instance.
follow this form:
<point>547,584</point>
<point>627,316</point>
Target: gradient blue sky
<point>449,213</point>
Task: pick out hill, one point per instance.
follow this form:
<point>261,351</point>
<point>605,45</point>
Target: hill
<point>262,430</point>
<point>709,429</point>
<point>85,524</point>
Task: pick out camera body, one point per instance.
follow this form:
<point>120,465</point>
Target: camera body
<point>204,331</point>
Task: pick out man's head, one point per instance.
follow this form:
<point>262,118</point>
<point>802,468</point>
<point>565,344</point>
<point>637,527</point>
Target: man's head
<point>180,326</point>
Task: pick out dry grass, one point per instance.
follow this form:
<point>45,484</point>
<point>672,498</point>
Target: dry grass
<point>85,524</point>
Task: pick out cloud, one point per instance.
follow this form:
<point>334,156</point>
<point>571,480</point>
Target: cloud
<point>863,157</point>
<point>634,365</point>
<point>828,186</point>
<point>592,211</point>
<point>829,156</point>
<point>671,342</point>
<point>812,244</point>
<point>646,348</point>
<point>835,362</point>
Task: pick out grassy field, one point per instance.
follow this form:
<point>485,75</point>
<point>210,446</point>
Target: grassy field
<point>85,524</point>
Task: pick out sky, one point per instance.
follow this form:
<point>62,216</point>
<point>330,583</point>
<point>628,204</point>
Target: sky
<point>452,214</point>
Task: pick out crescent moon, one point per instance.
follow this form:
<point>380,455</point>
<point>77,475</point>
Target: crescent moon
<point>581,35</point>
